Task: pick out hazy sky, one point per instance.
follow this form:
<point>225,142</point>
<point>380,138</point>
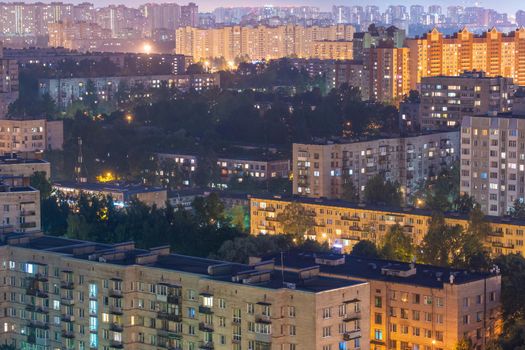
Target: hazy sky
<point>509,6</point>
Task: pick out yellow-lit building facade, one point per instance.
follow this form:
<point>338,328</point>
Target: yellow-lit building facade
<point>265,42</point>
<point>494,52</point>
<point>343,225</point>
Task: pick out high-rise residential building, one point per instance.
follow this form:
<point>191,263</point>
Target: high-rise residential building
<point>445,100</point>
<point>21,209</point>
<point>415,305</point>
<point>30,136</point>
<point>189,15</point>
<point>493,52</point>
<point>388,73</point>
<point>265,42</point>
<point>416,13</point>
<point>81,36</point>
<point>520,18</point>
<point>9,84</point>
<point>493,161</point>
<point>377,37</point>
<point>94,295</point>
<point>322,170</point>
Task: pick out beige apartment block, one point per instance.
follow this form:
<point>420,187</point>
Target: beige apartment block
<point>342,224</point>
<point>17,171</point>
<point>320,170</point>
<point>493,161</point>
<point>263,42</point>
<point>19,208</point>
<point>30,136</point>
<point>446,100</point>
<point>75,294</point>
<point>415,306</point>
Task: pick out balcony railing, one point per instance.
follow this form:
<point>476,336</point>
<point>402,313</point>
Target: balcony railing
<point>206,345</point>
<point>68,334</point>
<point>205,327</point>
<point>174,299</point>
<point>67,285</point>
<point>116,327</point>
<point>263,319</point>
<point>115,293</point>
<point>353,334</point>
<point>205,310</point>
<point>170,316</point>
<point>115,310</point>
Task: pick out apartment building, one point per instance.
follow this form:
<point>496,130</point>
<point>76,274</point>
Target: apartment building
<point>64,91</point>
<point>264,42</point>
<point>16,171</point>
<point>30,136</point>
<point>77,35</point>
<point>20,208</point>
<point>256,167</point>
<point>494,52</point>
<point>388,73</point>
<point>377,37</point>
<point>122,193</point>
<point>321,170</point>
<point>493,162</point>
<point>63,293</point>
<point>445,100</point>
<point>333,50</point>
<point>414,306</point>
<point>342,224</point>
<point>9,84</point>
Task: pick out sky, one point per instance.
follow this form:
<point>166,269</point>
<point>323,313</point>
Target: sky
<point>509,6</point>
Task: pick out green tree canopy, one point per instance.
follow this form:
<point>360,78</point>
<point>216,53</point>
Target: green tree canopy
<point>296,220</point>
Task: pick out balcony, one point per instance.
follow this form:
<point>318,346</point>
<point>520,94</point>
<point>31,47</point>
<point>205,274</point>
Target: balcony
<point>37,308</point>
<point>169,333</point>
<point>115,310</point>
<point>67,300</point>
<point>264,338</point>
<point>67,285</point>
<point>28,225</point>
<point>205,327</point>
<point>353,334</point>
<point>174,299</point>
<point>36,292</point>
<point>27,213</point>
<point>263,319</point>
<point>38,324</point>
<point>115,293</point>
<point>169,316</point>
<point>116,327</point>
<point>68,334</point>
<point>67,318</point>
<point>41,277</point>
<point>205,310</point>
<point>206,345</point>
<point>496,233</point>
<point>115,344</point>
<point>351,316</point>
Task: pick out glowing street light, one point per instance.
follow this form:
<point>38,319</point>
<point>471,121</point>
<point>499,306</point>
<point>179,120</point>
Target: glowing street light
<point>147,48</point>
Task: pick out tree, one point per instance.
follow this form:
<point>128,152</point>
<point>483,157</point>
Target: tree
<point>379,191</point>
<point>296,220</point>
<point>518,209</point>
<point>397,245</point>
<point>512,268</point>
<point>209,210</point>
<point>365,249</point>
<point>40,182</point>
<point>464,344</point>
<point>238,218</point>
<point>440,242</point>
<point>350,192</point>
<point>464,203</point>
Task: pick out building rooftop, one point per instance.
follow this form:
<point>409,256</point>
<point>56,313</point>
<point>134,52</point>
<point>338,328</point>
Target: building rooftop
<point>394,210</point>
<point>262,275</point>
<point>125,188</point>
<point>348,266</point>
<point>14,159</point>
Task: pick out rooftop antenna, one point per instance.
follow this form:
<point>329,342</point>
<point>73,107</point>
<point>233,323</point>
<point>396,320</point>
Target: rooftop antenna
<point>80,162</point>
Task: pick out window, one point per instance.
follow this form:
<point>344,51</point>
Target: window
<point>327,312</point>
<point>378,334</point>
<point>327,332</point>
<point>378,319</point>
<point>378,302</point>
<point>427,300</point>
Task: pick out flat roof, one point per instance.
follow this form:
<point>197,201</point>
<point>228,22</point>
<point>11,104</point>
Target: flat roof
<point>125,254</point>
<point>8,160</point>
<point>374,269</point>
<point>108,187</point>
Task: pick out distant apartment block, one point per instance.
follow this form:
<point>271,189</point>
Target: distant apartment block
<point>121,193</point>
<point>65,91</point>
<point>321,170</point>
<point>30,136</point>
<point>78,35</point>
<point>445,100</point>
<point>20,208</point>
<point>117,296</point>
<point>266,42</point>
<point>17,171</point>
<point>377,37</point>
<point>9,85</point>
<point>493,161</point>
<point>342,224</point>
<point>258,168</point>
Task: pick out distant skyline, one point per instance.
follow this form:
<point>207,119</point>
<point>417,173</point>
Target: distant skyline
<point>207,5</point>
